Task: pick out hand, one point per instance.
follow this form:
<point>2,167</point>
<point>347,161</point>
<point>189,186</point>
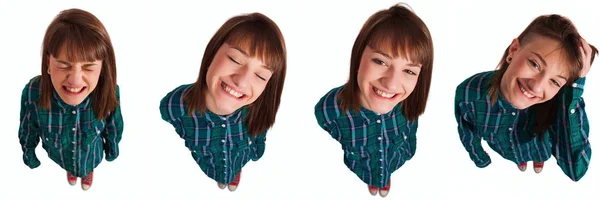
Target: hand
<point>587,57</point>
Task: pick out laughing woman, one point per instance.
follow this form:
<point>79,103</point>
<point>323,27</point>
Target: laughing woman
<point>374,115</point>
<point>73,107</point>
<point>531,107</point>
<point>224,116</point>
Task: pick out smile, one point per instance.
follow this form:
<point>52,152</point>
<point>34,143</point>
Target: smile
<point>231,91</point>
<point>527,94</point>
<point>383,94</point>
<point>73,90</point>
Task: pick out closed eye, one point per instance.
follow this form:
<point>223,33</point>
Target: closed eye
<point>379,62</point>
<point>233,60</point>
<point>261,78</point>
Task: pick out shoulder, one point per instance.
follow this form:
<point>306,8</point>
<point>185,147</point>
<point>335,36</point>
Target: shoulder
<point>32,90</point>
<point>475,86</point>
<point>328,106</point>
<point>172,104</point>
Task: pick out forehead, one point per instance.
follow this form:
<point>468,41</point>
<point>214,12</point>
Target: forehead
<point>551,51</point>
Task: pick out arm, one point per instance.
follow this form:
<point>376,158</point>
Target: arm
<point>28,132</point>
<point>570,132</point>
<point>325,120</point>
<point>469,136</point>
<point>113,132</point>
<point>260,145</point>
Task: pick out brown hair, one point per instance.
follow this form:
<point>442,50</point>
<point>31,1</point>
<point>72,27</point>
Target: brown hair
<point>83,38</point>
<point>558,28</point>
<point>262,38</point>
<point>400,31</point>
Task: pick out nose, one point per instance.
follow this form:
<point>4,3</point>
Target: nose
<point>242,77</point>
<point>75,77</point>
<point>536,85</point>
<point>392,80</point>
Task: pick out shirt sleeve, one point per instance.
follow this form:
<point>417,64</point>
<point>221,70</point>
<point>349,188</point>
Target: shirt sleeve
<point>28,131</point>
<point>113,131</point>
<point>323,116</point>
<point>469,136</point>
<point>570,132</point>
<point>260,145</point>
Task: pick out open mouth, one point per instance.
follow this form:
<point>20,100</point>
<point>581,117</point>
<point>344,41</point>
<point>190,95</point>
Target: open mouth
<point>383,94</point>
<point>74,90</point>
<point>525,92</point>
<point>231,91</point>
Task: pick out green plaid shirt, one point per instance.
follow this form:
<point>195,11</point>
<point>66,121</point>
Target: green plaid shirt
<point>500,123</point>
<point>220,144</point>
<point>72,136</point>
<point>375,145</point>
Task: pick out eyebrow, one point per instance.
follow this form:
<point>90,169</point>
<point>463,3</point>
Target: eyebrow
<point>560,76</point>
<point>390,57</point>
<point>247,55</point>
<point>541,58</point>
<point>68,63</point>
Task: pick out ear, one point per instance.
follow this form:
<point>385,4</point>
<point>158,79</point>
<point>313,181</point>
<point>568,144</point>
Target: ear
<point>48,64</point>
<point>512,49</point>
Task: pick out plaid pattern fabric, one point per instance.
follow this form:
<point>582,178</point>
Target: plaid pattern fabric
<point>500,124</point>
<point>375,145</point>
<point>71,135</point>
<point>221,145</point>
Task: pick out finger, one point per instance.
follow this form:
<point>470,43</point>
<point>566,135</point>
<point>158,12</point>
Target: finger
<point>586,47</point>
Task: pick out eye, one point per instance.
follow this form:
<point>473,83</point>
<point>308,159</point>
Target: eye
<point>555,83</point>
<point>534,64</point>
<point>261,78</point>
<point>408,71</point>
<point>233,60</point>
<point>379,62</point>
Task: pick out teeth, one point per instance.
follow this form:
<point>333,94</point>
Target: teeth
<point>231,91</point>
<point>527,94</point>
<point>383,94</point>
<point>74,90</point>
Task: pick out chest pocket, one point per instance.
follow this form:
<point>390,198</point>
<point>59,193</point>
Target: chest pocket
<point>195,132</point>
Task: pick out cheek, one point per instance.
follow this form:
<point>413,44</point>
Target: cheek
<point>366,74</point>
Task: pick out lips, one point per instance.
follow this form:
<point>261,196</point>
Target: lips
<point>525,92</point>
<point>74,90</point>
<point>227,89</point>
<point>383,94</point>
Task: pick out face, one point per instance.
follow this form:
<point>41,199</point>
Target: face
<point>234,79</point>
<point>385,81</point>
<point>534,74</point>
<point>73,81</point>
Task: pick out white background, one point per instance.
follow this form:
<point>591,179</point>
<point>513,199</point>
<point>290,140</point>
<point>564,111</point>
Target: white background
<point>159,46</point>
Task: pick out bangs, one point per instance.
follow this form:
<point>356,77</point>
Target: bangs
<point>260,41</point>
<point>402,37</point>
<point>80,44</point>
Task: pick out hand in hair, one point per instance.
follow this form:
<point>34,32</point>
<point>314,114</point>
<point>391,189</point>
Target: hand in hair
<point>587,53</point>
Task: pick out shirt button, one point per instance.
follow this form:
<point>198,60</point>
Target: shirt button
<point>224,151</point>
<point>73,151</point>
<point>74,112</point>
<point>225,159</point>
<point>379,138</point>
<point>380,150</point>
<point>223,118</point>
<point>513,113</point>
<point>74,129</point>
<point>46,139</point>
<point>572,111</point>
<point>405,137</point>
<point>250,142</point>
<point>574,84</point>
<point>378,121</point>
<point>352,153</point>
<point>381,160</point>
<point>194,151</point>
<point>223,125</point>
<point>73,142</point>
<point>510,129</point>
<point>378,113</point>
<point>223,141</point>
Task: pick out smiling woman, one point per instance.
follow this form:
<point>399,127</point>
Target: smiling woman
<point>531,107</point>
<point>224,116</point>
<point>74,105</point>
<point>374,116</point>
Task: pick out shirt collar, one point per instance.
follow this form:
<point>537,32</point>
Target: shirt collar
<point>64,106</point>
<point>234,117</point>
<point>369,115</point>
